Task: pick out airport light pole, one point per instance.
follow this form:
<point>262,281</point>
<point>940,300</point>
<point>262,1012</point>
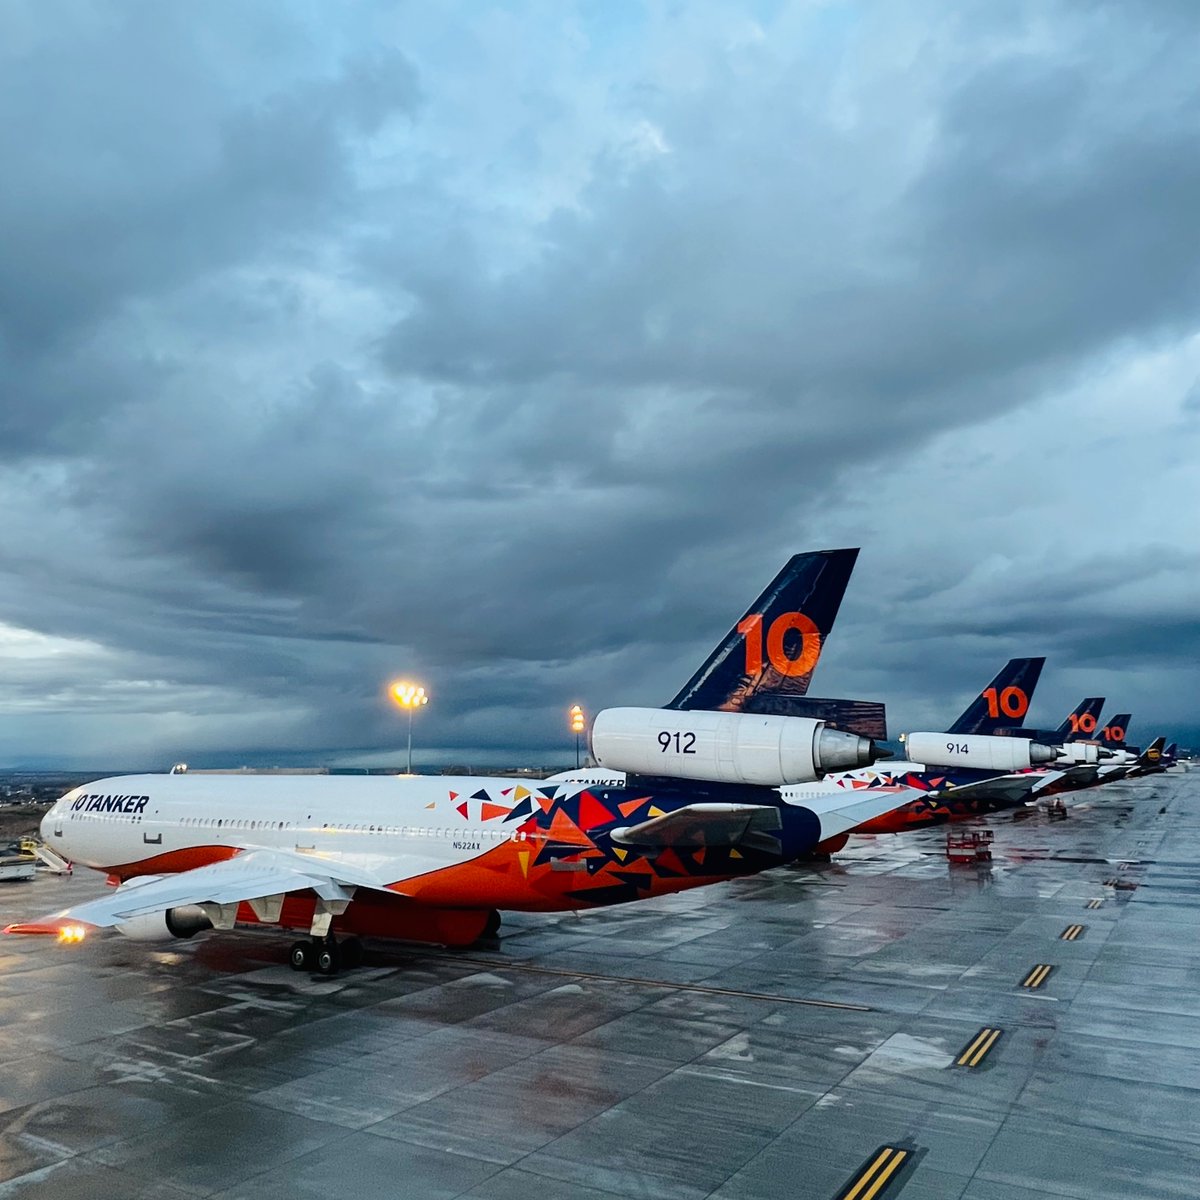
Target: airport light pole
<point>575,714</point>
<point>411,697</point>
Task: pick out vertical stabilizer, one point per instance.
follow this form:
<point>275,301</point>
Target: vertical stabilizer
<point>1005,701</point>
<point>1083,722</point>
<point>1114,731</point>
<point>772,651</point>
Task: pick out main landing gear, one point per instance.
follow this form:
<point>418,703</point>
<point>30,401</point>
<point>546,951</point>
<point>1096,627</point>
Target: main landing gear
<point>325,955</point>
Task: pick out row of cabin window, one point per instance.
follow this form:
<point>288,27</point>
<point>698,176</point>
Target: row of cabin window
<point>233,823</point>
<point>496,835</point>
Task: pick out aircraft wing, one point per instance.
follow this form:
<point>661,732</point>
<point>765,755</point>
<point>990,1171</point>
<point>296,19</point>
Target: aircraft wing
<point>706,825</point>
<point>254,875</point>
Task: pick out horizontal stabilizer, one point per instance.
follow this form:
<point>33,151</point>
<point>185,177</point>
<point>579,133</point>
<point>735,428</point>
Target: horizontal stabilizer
<point>846,809</point>
<point>1003,791</point>
<point>750,825</point>
<point>1082,775</point>
<point>867,718</point>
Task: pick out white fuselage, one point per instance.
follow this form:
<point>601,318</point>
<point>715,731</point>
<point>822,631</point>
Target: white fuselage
<point>118,823</point>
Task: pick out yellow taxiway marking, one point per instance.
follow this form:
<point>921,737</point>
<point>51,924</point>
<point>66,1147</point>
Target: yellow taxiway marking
<point>1037,976</point>
<point>1071,933</point>
<point>979,1046</point>
<point>1095,903</point>
<point>876,1175</point>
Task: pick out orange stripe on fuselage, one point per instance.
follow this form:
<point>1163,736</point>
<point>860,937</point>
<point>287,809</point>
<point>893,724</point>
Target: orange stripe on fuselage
<point>173,861</point>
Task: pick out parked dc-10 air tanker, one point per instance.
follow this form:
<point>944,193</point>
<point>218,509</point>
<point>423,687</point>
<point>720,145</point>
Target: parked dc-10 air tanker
<point>437,859</point>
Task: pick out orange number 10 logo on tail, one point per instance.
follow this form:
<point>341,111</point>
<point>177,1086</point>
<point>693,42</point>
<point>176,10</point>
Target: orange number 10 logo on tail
<point>810,644</point>
<point>1012,702</point>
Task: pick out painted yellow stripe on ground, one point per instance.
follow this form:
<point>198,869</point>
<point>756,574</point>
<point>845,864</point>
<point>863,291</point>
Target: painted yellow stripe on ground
<point>1094,903</point>
<point>1037,976</point>
<point>973,1045</point>
<point>876,1175</point>
<point>982,1052</point>
<point>1071,933</point>
<point>851,1193</point>
<point>888,1171</point>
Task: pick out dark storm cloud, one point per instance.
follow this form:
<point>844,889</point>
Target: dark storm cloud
<point>520,353</point>
<point>135,168</point>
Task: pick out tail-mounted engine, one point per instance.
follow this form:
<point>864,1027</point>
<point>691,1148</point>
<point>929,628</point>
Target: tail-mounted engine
<point>1078,753</point>
<point>978,751</point>
<point>724,747</point>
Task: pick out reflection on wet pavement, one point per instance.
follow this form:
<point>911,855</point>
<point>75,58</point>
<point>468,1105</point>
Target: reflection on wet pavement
<point>656,1050</point>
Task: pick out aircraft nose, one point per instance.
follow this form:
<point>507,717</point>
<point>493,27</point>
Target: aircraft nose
<point>46,827</point>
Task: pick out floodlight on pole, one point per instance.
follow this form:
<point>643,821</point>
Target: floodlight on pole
<point>409,696</point>
<point>578,723</point>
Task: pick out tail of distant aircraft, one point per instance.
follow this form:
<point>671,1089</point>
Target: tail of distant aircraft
<point>774,649</point>
<point>1151,758</point>
<point>1083,721</point>
<point>1113,733</point>
<point>1004,701</point>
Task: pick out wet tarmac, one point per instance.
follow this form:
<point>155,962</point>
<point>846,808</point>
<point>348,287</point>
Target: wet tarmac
<point>767,1038</point>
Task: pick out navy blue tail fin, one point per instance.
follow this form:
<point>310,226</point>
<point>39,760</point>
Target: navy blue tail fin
<point>771,653</point>
<point>1152,755</point>
<point>1113,733</point>
<point>1004,701</point>
<point>1083,722</point>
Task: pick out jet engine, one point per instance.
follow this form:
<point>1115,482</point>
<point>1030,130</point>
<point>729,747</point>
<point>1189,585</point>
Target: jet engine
<point>724,747</point>
<point>182,922</point>
<point>978,751</point>
<point>1076,753</point>
<point>1121,758</point>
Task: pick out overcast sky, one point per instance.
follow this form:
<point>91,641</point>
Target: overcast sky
<point>513,347</point>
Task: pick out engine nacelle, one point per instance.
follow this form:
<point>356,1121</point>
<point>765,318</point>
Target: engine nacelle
<point>182,922</point>
<point>1077,753</point>
<point>977,751</point>
<point>724,747</point>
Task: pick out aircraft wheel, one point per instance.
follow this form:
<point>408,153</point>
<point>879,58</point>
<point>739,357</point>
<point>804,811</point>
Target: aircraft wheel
<point>300,957</point>
<point>493,924</point>
<point>351,950</point>
<point>328,958</point>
